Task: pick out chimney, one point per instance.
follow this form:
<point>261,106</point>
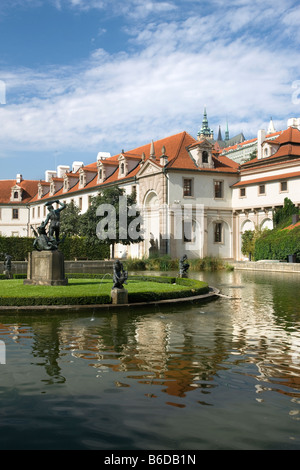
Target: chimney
<point>261,137</point>
<point>19,178</point>
<point>76,166</point>
<point>62,170</point>
<point>49,174</point>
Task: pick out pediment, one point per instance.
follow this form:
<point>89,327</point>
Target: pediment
<point>149,169</point>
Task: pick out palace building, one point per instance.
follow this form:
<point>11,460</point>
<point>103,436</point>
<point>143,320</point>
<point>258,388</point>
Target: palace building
<point>195,199</point>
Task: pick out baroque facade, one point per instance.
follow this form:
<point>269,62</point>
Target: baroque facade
<point>195,200</point>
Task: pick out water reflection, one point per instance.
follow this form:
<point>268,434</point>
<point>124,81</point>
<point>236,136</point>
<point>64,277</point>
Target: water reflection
<point>176,350</point>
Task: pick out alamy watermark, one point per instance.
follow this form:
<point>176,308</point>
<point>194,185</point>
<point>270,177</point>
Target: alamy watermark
<point>2,353</point>
<point>2,92</point>
<point>179,222</point>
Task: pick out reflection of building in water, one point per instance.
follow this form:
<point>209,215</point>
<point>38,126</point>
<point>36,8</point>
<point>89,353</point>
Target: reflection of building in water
<point>258,334</point>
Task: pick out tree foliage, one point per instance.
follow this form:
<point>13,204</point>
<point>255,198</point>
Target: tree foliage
<point>70,220</point>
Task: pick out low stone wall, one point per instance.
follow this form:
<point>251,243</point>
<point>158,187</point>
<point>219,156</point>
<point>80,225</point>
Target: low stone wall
<point>273,266</point>
<point>82,266</point>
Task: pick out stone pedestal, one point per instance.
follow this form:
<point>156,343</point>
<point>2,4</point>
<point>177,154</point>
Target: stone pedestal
<point>119,296</point>
<point>46,268</point>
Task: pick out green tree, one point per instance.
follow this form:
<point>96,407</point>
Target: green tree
<point>70,223</point>
<point>111,218</point>
<point>282,216</point>
<point>249,238</point>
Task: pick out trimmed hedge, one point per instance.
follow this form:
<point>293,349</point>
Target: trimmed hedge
<point>72,247</point>
<point>278,244</point>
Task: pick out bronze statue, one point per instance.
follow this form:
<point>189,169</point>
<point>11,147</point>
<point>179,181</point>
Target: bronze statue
<point>183,266</point>
<point>54,218</point>
<point>120,276</point>
<point>7,265</point>
<point>42,241</point>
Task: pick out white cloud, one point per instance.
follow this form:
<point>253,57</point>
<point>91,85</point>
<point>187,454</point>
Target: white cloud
<point>122,100</point>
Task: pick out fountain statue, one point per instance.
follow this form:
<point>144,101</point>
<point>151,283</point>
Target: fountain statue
<point>119,295</point>
<point>7,265</point>
<point>183,267</point>
<point>46,265</point>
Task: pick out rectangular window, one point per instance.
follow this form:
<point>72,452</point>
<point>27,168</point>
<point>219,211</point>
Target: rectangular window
<point>90,200</point>
<point>39,212</point>
<point>80,203</point>
<point>218,186</point>
<point>33,212</point>
<point>15,213</point>
<point>261,189</point>
<point>187,187</point>
<point>283,186</point>
<point>242,192</point>
<point>218,232</point>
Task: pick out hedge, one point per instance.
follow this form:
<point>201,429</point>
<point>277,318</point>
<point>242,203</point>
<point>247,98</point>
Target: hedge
<point>72,247</point>
<point>278,244</point>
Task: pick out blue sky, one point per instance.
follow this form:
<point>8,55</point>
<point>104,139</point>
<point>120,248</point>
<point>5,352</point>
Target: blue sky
<point>84,76</point>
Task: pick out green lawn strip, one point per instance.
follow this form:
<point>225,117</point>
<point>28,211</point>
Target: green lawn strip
<point>81,291</point>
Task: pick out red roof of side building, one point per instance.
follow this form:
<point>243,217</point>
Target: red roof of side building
<point>29,188</point>
<point>289,146</point>
<point>266,179</point>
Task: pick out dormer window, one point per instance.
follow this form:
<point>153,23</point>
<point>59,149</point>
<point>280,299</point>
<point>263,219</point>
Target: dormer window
<point>123,167</point>
<point>82,178</point>
<point>16,194</point>
<point>66,184</point>
<point>204,156</point>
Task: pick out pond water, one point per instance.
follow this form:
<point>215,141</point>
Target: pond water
<point>213,376</point>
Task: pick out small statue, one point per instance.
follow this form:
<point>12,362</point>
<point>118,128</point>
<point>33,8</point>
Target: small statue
<point>54,218</point>
<point>42,241</point>
<point>120,276</point>
<point>183,266</point>
<point>7,265</point>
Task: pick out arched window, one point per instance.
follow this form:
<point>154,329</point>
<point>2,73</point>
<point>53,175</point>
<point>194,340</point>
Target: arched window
<point>16,195</point>
<point>122,168</point>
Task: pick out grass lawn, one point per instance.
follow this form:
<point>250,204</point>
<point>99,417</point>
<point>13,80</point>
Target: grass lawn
<point>91,291</point>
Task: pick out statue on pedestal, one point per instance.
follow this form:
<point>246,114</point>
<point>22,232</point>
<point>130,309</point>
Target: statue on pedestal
<point>42,241</point>
<point>7,265</point>
<point>119,276</point>
<point>54,218</point>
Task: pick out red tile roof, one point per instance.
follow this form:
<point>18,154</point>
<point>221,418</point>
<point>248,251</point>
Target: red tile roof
<point>267,178</point>
<point>29,188</point>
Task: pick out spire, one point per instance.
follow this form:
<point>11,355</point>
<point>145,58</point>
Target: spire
<point>205,131</point>
<point>227,132</point>
<point>220,134</point>
<point>271,128</point>
<point>152,151</point>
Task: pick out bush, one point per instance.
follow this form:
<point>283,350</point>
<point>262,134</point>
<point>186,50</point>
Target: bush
<point>72,247</point>
<point>278,244</point>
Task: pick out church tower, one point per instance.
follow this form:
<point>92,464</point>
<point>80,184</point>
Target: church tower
<point>227,132</point>
<point>205,131</point>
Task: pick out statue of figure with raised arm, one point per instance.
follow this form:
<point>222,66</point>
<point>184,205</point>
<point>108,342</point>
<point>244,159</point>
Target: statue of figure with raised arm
<point>54,218</point>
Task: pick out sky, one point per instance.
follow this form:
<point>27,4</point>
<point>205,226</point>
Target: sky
<point>78,77</point>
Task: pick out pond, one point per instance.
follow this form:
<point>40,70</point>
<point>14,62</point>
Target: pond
<point>213,376</point>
